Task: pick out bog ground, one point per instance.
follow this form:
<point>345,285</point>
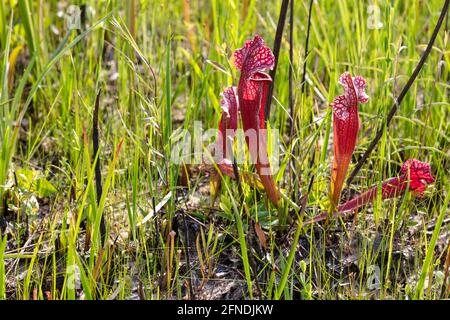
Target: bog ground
<point>98,99</point>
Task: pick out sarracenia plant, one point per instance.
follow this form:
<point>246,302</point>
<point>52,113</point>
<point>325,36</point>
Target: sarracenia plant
<point>345,128</point>
<point>415,176</point>
<point>249,99</point>
<point>227,130</point>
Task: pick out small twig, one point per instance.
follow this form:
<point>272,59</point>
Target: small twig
<point>98,173</point>
<point>293,177</point>
<point>311,181</point>
<point>188,260</point>
<point>157,228</point>
<point>291,67</point>
<point>276,53</point>
<point>4,209</point>
<point>306,47</point>
<point>237,176</point>
<point>402,94</point>
<point>303,81</point>
<point>292,171</point>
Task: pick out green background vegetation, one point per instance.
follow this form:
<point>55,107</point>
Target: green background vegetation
<point>161,66</point>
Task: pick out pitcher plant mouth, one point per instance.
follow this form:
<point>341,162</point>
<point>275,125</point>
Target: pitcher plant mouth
<point>345,130</point>
<point>415,176</point>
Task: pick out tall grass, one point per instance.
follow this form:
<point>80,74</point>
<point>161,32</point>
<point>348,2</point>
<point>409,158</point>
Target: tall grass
<point>161,67</point>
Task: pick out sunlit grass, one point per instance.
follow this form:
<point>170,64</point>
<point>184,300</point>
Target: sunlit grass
<point>161,67</point>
